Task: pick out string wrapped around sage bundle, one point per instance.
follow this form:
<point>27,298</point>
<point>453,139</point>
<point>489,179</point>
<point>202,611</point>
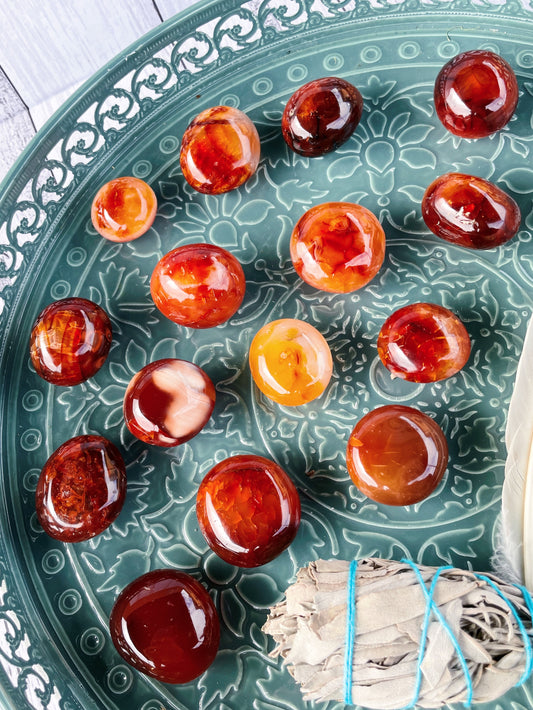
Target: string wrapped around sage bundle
<point>389,635</point>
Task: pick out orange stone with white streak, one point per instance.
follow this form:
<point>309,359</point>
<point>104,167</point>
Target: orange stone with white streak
<point>290,361</point>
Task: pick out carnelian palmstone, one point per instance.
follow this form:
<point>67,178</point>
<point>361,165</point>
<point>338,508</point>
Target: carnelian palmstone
<point>423,342</point>
<point>321,115</point>
<point>470,211</point>
<point>248,510</point>
<point>70,341</point>
<point>198,285</point>
<point>396,455</point>
<point>81,489</point>
<point>337,246</point>
<point>290,361</point>
<point>220,150</point>
<point>168,402</point>
<point>475,94</point>
<point>165,625</point>
<point>124,209</point>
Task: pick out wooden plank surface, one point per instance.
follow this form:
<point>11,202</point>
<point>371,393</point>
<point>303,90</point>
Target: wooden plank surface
<point>50,47</point>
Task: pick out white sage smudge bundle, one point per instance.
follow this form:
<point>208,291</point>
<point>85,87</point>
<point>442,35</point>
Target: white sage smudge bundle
<point>420,635</point>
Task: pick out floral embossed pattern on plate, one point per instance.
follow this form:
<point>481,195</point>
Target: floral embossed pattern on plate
<point>55,598</point>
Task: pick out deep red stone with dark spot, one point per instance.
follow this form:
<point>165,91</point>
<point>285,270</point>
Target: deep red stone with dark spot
<point>168,402</point>
<point>476,94</point>
<point>423,342</point>
<point>198,285</point>
<point>81,489</point>
<point>165,625</point>
<point>70,341</point>
<point>220,150</point>
<point>396,455</point>
<point>248,509</point>
<point>470,211</point>
<point>321,115</point>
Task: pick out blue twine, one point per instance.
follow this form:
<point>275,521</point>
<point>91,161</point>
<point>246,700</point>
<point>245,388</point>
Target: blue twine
<point>350,633</point>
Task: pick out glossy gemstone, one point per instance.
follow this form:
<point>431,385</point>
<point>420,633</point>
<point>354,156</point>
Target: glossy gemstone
<point>81,489</point>
<point>337,246</point>
<point>70,341</point>
<point>470,211</point>
<point>290,361</point>
<point>476,94</point>
<point>423,342</point>
<point>397,455</point>
<point>220,150</point>
<point>124,209</point>
<point>168,402</point>
<point>248,510</point>
<point>321,115</point>
<point>165,625</point>
<point>198,285</point>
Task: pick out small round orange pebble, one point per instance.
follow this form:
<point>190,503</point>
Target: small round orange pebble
<point>198,285</point>
<point>124,209</point>
<point>220,150</point>
<point>337,246</point>
<point>290,361</point>
<point>423,342</point>
<point>397,455</point>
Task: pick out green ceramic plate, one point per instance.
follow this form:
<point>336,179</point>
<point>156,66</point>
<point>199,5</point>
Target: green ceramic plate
<point>55,650</point>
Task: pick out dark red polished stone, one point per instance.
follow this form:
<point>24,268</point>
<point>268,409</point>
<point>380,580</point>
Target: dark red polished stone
<point>168,402</point>
<point>321,115</point>
<point>123,209</point>
<point>396,455</point>
<point>423,342</point>
<point>248,510</point>
<point>220,150</point>
<point>198,285</point>
<point>70,341</point>
<point>81,489</point>
<point>337,246</point>
<point>470,211</point>
<point>476,94</point>
<point>165,625</point>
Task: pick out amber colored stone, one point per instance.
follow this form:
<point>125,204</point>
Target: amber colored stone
<point>165,625</point>
<point>70,341</point>
<point>248,510</point>
<point>198,285</point>
<point>337,246</point>
<point>290,361</point>
<point>321,115</point>
<point>470,211</point>
<point>124,209</point>
<point>220,150</point>
<point>475,94</point>
<point>81,489</point>
<point>168,402</point>
<point>423,342</point>
<point>396,455</point>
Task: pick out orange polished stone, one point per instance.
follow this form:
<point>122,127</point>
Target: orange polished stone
<point>70,341</point>
<point>396,455</point>
<point>124,209</point>
<point>81,489</point>
<point>470,211</point>
<point>168,402</point>
<point>476,94</point>
<point>290,361</point>
<point>165,625</point>
<point>198,285</point>
<point>220,150</point>
<point>321,115</point>
<point>248,510</point>
<point>423,342</point>
<point>337,246</point>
